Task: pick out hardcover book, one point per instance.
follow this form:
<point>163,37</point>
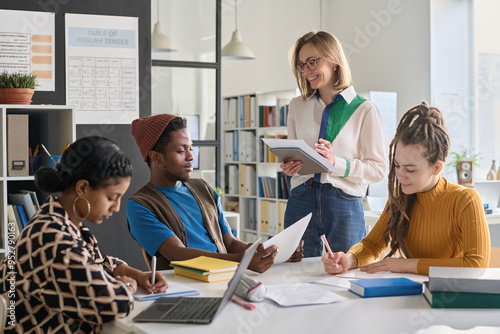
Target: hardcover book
<point>384,287</point>
<point>207,264</point>
<point>439,299</point>
<point>469,280</point>
<point>204,276</point>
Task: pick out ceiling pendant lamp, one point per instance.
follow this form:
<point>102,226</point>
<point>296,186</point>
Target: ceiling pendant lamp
<point>160,42</point>
<point>236,49</point>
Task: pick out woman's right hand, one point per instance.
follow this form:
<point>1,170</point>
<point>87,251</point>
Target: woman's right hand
<point>291,167</point>
<point>129,282</point>
<point>339,264</point>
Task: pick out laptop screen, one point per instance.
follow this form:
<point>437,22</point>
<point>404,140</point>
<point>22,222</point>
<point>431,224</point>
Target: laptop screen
<point>233,283</point>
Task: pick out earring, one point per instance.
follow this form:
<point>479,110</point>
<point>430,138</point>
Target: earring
<point>74,208</point>
<point>335,69</point>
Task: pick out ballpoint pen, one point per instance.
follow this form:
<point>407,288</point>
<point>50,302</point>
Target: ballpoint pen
<point>323,238</point>
<point>153,268</point>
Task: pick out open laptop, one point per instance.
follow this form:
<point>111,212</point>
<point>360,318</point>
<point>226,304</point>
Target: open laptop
<point>196,310</point>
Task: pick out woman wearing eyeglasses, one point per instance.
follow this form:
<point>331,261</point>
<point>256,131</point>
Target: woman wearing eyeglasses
<point>346,130</point>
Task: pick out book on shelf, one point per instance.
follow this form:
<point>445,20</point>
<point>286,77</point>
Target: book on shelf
<point>13,222</point>
<point>24,199</point>
<point>205,264</point>
<point>470,280</point>
<point>34,198</point>
<point>440,299</point>
<point>293,149</point>
<point>23,218</point>
<point>385,287</point>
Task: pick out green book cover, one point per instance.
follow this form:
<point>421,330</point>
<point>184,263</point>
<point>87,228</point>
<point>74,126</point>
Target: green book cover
<point>461,299</point>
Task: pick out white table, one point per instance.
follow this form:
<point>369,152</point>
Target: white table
<point>388,315</point>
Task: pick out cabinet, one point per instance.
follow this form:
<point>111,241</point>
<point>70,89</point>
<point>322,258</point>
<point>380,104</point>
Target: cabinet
<point>53,126</point>
<point>253,182</point>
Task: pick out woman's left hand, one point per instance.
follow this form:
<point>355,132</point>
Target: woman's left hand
<point>144,280</point>
<point>324,147</point>
<point>396,265</point>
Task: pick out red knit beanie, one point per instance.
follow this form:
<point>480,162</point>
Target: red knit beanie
<point>147,130</point>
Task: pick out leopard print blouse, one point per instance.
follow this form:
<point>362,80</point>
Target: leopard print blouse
<point>56,280</point>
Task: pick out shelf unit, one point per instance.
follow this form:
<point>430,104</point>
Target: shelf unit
<point>48,124</point>
<point>251,182</point>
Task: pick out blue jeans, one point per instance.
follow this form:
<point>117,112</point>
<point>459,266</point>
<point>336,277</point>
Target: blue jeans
<point>337,215</point>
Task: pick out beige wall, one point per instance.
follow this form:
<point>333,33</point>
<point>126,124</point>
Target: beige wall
<point>387,42</point>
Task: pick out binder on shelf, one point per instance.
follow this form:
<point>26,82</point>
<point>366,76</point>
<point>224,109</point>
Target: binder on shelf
<point>264,216</point>
<point>33,196</point>
<point>24,200</point>
<point>292,149</point>
<point>17,145</point>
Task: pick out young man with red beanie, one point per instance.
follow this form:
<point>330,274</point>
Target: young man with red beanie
<point>176,217</point>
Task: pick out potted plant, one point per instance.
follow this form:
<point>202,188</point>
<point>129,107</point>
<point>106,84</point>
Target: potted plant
<point>17,88</point>
<point>463,162</point>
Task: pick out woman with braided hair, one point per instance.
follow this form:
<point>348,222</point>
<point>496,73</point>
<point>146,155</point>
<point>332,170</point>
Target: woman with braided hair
<point>57,279</point>
<point>428,220</point>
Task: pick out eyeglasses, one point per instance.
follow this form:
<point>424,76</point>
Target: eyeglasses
<point>310,63</point>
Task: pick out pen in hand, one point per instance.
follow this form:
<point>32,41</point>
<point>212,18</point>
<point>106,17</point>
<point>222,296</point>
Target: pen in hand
<point>323,238</point>
<point>153,268</point>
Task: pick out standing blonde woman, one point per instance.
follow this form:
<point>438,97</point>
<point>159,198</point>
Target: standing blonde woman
<point>344,128</point>
<point>429,220</point>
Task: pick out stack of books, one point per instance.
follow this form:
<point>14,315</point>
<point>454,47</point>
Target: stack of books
<point>207,269</point>
<point>463,287</point>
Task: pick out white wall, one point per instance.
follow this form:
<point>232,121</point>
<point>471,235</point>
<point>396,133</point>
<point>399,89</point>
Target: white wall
<point>387,42</point>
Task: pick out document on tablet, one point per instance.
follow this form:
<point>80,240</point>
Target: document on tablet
<point>288,240</point>
<point>297,149</point>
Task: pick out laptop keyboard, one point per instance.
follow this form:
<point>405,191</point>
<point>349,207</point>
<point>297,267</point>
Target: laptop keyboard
<point>193,308</point>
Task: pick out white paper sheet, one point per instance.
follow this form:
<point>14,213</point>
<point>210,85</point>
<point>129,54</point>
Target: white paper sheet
<point>358,274</point>
<point>301,294</point>
<point>288,239</point>
<point>174,290</point>
<point>336,281</point>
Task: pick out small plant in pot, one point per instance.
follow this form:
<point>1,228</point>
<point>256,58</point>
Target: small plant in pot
<point>463,162</point>
<point>17,88</point>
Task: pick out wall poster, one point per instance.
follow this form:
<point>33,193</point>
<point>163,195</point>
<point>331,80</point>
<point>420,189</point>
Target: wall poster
<point>102,75</point>
<point>27,45</point>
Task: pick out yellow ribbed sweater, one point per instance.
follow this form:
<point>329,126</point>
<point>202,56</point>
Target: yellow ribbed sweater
<point>447,229</point>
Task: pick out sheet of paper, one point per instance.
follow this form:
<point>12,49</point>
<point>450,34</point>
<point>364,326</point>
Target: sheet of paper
<point>298,143</point>
<point>335,281</point>
<point>288,239</point>
<point>174,290</point>
<point>358,274</point>
<point>301,294</point>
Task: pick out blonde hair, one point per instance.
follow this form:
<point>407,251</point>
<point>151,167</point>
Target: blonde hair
<point>421,125</point>
<point>329,47</point>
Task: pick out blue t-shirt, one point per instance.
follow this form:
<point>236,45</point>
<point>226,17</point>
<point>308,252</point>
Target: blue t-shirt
<point>151,233</point>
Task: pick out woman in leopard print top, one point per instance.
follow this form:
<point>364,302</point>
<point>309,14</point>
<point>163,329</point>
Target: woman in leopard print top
<point>55,278</point>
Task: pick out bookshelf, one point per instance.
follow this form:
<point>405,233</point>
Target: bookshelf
<point>254,184</point>
<point>48,124</point>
